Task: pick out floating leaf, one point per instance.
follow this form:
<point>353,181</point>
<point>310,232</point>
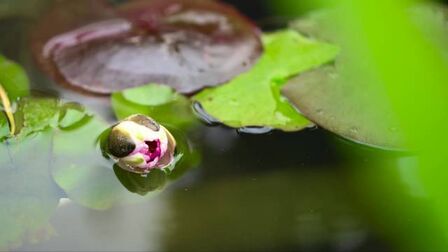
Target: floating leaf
<point>253,98</point>
<point>71,114</point>
<point>37,114</point>
<point>171,110</point>
<point>13,79</point>
<point>187,45</point>
<point>342,103</point>
<point>150,95</point>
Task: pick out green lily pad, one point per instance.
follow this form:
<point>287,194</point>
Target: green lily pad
<point>13,79</point>
<point>36,114</point>
<point>346,105</point>
<point>253,98</point>
<point>159,102</point>
<point>72,114</point>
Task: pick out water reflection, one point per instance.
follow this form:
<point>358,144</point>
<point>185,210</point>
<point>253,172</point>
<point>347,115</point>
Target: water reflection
<point>139,184</point>
<point>302,198</point>
<point>65,162</point>
<point>28,195</point>
<point>284,210</point>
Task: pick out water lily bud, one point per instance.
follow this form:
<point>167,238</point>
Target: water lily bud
<point>139,144</point>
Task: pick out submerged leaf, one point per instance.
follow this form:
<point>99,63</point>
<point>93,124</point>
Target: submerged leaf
<point>88,178</point>
<point>139,184</point>
<point>253,98</point>
<point>28,195</point>
<point>80,170</point>
<point>185,44</point>
<point>13,79</point>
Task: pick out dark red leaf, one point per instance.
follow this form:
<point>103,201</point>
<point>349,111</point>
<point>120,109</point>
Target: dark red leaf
<point>186,44</point>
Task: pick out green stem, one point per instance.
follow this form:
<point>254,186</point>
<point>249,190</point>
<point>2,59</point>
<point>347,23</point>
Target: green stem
<point>8,111</point>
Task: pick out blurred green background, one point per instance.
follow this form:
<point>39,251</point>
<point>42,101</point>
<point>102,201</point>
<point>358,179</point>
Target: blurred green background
<point>310,191</point>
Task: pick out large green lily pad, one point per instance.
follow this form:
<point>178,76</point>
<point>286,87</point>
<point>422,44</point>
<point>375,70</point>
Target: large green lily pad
<point>343,100</point>
<point>253,98</point>
<point>346,105</point>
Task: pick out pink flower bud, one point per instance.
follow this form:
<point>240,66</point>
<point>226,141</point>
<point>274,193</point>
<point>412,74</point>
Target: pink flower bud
<point>139,144</point>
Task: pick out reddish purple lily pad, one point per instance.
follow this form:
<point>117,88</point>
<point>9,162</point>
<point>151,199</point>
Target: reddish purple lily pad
<point>186,44</point>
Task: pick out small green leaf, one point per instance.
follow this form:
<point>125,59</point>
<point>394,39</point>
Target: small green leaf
<point>71,117</point>
<point>71,114</point>
<point>175,110</point>
<point>150,95</point>
<point>13,79</point>
<point>253,98</point>
<point>36,114</point>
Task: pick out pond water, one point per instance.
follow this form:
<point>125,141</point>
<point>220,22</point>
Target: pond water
<point>304,191</point>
